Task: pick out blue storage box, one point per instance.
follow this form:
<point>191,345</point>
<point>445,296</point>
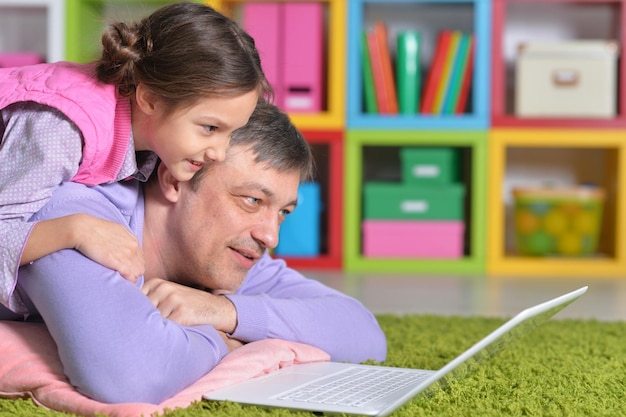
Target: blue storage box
<point>300,232</point>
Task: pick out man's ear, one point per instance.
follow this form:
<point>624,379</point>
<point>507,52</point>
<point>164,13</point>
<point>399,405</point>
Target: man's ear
<point>170,186</point>
<point>145,99</point>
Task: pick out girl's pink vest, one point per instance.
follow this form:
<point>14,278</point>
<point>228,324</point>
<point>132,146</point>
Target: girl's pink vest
<point>100,113</point>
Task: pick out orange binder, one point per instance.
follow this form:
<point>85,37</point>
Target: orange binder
<point>435,72</point>
<point>382,69</point>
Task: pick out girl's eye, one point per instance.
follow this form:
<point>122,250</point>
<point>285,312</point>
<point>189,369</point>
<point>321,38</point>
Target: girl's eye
<point>210,128</point>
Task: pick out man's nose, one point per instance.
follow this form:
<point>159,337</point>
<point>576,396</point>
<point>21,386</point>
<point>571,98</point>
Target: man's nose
<point>266,232</point>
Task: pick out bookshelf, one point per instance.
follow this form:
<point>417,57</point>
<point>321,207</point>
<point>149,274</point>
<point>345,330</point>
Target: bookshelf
<point>349,143</point>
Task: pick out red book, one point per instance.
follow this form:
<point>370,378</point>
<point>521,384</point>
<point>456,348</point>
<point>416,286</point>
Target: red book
<point>467,79</point>
<point>435,72</point>
<point>382,70</point>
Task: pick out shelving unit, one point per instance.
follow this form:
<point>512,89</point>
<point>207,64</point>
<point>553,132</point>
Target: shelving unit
<point>33,26</point>
<point>352,147</point>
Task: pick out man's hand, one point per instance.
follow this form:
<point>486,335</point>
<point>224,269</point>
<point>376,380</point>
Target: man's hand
<point>232,344</point>
<point>190,306</point>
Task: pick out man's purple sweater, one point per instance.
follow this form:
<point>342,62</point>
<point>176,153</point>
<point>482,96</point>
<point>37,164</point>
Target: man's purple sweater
<point>116,347</point>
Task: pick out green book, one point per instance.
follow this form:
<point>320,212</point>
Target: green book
<point>408,71</point>
<point>369,92</point>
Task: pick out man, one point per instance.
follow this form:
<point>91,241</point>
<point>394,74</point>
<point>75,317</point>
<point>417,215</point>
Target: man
<point>212,234</point>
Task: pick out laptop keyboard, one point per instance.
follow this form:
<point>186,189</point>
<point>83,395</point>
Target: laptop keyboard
<point>354,387</point>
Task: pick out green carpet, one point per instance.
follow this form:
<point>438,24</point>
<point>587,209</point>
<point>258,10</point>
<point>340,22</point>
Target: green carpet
<point>563,368</point>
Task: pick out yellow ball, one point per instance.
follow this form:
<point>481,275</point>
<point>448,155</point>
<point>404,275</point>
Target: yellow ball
<point>569,244</point>
<point>555,222</point>
<point>585,223</point>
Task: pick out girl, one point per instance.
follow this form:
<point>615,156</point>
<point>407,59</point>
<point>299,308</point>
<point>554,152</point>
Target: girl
<point>173,86</point>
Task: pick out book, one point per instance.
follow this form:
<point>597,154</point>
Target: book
<point>456,78</point>
<point>408,71</point>
<point>382,69</point>
<point>434,72</point>
<point>446,75</point>
<point>369,92</point>
<point>467,77</point>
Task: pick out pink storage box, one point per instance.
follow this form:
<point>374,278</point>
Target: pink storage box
<point>19,59</point>
<point>412,239</point>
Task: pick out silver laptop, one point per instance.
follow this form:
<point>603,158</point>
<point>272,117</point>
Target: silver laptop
<point>334,387</point>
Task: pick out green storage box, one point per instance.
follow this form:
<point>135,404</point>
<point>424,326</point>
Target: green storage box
<point>392,200</point>
<point>429,165</point>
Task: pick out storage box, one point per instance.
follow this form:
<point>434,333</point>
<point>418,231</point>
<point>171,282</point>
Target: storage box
<point>300,232</point>
<point>389,200</point>
<point>429,165</point>
<point>19,59</point>
<point>558,221</point>
<point>413,239</point>
<point>567,79</point>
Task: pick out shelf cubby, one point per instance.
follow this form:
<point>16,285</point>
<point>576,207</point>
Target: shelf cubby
<point>518,21</point>
<point>87,19</point>
<point>428,18</point>
<point>562,157</point>
<point>33,26</point>
<point>365,147</point>
<point>327,148</point>
<point>333,115</point>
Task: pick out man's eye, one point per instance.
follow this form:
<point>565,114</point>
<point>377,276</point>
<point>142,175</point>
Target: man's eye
<point>253,200</point>
<point>285,212</point>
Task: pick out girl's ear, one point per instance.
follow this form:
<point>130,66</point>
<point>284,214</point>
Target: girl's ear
<point>145,99</point>
<point>170,186</point>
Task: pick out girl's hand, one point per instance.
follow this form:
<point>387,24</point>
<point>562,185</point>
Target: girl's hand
<point>103,241</point>
<point>108,243</point>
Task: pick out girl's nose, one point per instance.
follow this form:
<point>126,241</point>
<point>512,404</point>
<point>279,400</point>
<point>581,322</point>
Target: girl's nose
<point>216,153</point>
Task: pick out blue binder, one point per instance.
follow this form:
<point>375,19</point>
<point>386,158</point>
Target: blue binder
<point>300,232</point>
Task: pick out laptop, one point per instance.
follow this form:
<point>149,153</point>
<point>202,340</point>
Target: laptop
<point>372,390</point>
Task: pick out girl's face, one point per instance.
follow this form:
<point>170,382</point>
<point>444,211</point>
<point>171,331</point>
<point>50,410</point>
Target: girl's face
<point>188,138</point>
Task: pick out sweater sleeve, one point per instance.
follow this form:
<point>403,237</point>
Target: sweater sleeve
<point>113,343</point>
<point>40,148</point>
<point>278,302</point>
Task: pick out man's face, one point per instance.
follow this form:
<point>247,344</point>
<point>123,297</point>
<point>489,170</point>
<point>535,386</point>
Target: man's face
<point>220,230</point>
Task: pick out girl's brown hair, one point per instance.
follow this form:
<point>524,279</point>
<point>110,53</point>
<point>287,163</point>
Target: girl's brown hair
<point>182,53</point>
